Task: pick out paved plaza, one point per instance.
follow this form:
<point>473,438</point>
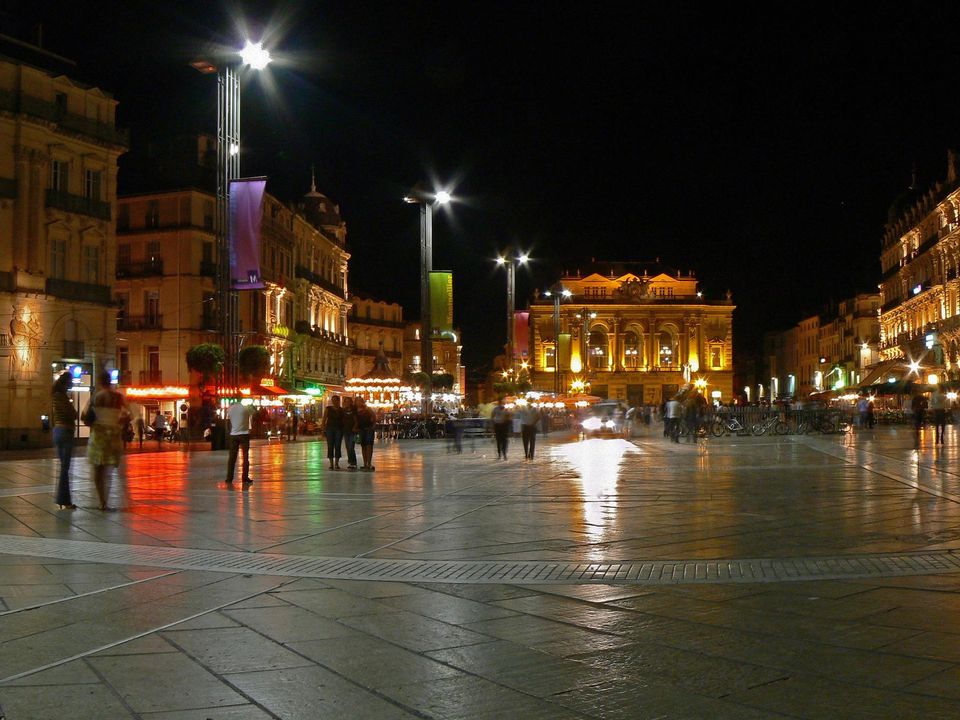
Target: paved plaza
<point>742,578</point>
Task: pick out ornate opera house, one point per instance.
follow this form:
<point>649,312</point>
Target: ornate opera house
<point>629,331</point>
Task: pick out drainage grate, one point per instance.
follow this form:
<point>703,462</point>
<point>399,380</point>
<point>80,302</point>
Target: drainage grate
<point>639,572</point>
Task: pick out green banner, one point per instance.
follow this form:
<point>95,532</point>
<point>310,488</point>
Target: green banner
<point>564,355</point>
<point>441,300</point>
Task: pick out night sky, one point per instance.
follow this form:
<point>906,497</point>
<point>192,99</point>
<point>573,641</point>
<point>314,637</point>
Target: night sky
<point>759,150</point>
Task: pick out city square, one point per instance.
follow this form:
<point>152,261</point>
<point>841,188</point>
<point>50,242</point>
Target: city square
<point>757,577</point>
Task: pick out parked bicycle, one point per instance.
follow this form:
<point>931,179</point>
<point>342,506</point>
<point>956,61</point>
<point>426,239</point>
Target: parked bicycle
<point>772,423</point>
<point>725,426</point>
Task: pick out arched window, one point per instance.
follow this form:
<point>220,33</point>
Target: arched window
<point>598,350</point>
<point>550,357</point>
<point>667,349</point>
<point>631,350</point>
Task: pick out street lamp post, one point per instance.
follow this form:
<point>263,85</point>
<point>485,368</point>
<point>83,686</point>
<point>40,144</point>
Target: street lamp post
<point>228,168</point>
<point>510,264</point>
<point>557,292</point>
<point>426,201</point>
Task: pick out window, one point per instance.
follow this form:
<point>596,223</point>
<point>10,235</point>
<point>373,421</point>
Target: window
<point>208,252</point>
<point>153,251</point>
<point>208,215</point>
<point>667,349</point>
<point>123,358</point>
<point>151,306</point>
<point>123,254</point>
<point>59,170</point>
<point>58,259</point>
<point>153,359</point>
<point>550,357</point>
<point>123,218</point>
<point>92,184</point>
<point>716,358</point>
<point>60,100</point>
<point>598,350</point>
<point>91,264</point>
<point>631,350</point>
<point>153,214</point>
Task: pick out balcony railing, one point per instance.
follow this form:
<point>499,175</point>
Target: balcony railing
<point>151,377</point>
<point>356,319</point>
<point>78,204</point>
<point>140,322</point>
<point>148,268</point>
<point>50,111</point>
<point>82,292</point>
<point>126,377</point>
<point>306,274</point>
<point>73,349</point>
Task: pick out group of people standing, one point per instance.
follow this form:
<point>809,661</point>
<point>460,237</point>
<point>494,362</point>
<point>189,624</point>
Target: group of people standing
<point>107,415</point>
<point>344,424</point>
<point>684,410</point>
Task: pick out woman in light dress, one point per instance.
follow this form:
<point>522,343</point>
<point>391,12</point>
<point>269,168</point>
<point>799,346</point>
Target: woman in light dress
<point>106,434</point>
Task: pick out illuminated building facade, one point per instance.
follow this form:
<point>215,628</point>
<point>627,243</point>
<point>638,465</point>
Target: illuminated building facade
<point>919,285</point>
<point>59,146</point>
<point>447,348</point>
<point>166,290</point>
<point>374,325</point>
<point>834,350</point>
<point>632,332</point>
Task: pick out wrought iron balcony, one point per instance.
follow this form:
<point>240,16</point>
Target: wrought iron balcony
<point>78,204</point>
<point>151,377</point>
<point>140,322</point>
<point>68,122</point>
<point>82,292</point>
<point>149,268</point>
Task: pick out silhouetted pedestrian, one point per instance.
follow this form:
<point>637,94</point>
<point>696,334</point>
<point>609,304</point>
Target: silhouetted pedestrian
<point>64,432</point>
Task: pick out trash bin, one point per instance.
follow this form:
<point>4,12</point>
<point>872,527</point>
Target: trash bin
<point>218,435</point>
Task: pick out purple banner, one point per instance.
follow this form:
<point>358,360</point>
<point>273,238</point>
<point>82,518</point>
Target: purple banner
<point>246,214</point>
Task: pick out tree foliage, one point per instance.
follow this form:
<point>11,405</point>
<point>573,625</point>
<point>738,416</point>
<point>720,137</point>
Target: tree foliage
<point>254,361</point>
<point>206,359</point>
<point>443,381</point>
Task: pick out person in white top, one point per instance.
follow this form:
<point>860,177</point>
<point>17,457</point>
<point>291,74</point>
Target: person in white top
<point>674,412</point>
<point>239,416</point>
<point>939,404</point>
<point>529,419</point>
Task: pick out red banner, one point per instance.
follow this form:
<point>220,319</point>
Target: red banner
<point>246,216</point>
<point>521,334</point>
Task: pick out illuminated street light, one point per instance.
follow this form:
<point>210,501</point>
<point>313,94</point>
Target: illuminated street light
<point>255,55</point>
<point>228,169</point>
<point>426,200</point>
<point>508,261</point>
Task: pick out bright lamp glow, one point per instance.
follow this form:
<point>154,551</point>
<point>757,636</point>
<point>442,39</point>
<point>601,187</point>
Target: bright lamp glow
<point>255,55</point>
<point>443,197</point>
<point>914,367</point>
<point>523,258</point>
<point>501,260</point>
<point>566,293</point>
<point>933,379</point>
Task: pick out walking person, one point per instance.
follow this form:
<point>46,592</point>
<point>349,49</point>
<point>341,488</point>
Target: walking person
<point>159,426</point>
<point>348,425</point>
<point>240,417</point>
<point>918,405</point>
<point>501,419</point>
<point>141,429</point>
<point>106,415</point>
<point>64,432</point>
<point>332,415</point>
<point>366,423</point>
<point>939,404</point>
<point>529,422</point>
<point>672,413</point>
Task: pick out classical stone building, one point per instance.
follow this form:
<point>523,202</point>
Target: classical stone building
<point>919,285</point>
<point>59,146</point>
<point>632,332</point>
<point>447,348</point>
<point>166,294</point>
<point>833,350</point>
<point>375,325</point>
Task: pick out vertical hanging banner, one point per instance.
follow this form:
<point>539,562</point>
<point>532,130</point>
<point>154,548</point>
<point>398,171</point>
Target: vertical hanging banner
<point>441,300</point>
<point>246,216</point>
<point>521,334</point>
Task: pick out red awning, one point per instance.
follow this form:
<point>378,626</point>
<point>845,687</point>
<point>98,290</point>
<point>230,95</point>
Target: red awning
<point>268,390</point>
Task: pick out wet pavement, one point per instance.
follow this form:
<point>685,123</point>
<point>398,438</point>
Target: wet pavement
<point>800,577</point>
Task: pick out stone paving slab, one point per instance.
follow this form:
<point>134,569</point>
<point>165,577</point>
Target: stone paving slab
<point>845,605</point>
